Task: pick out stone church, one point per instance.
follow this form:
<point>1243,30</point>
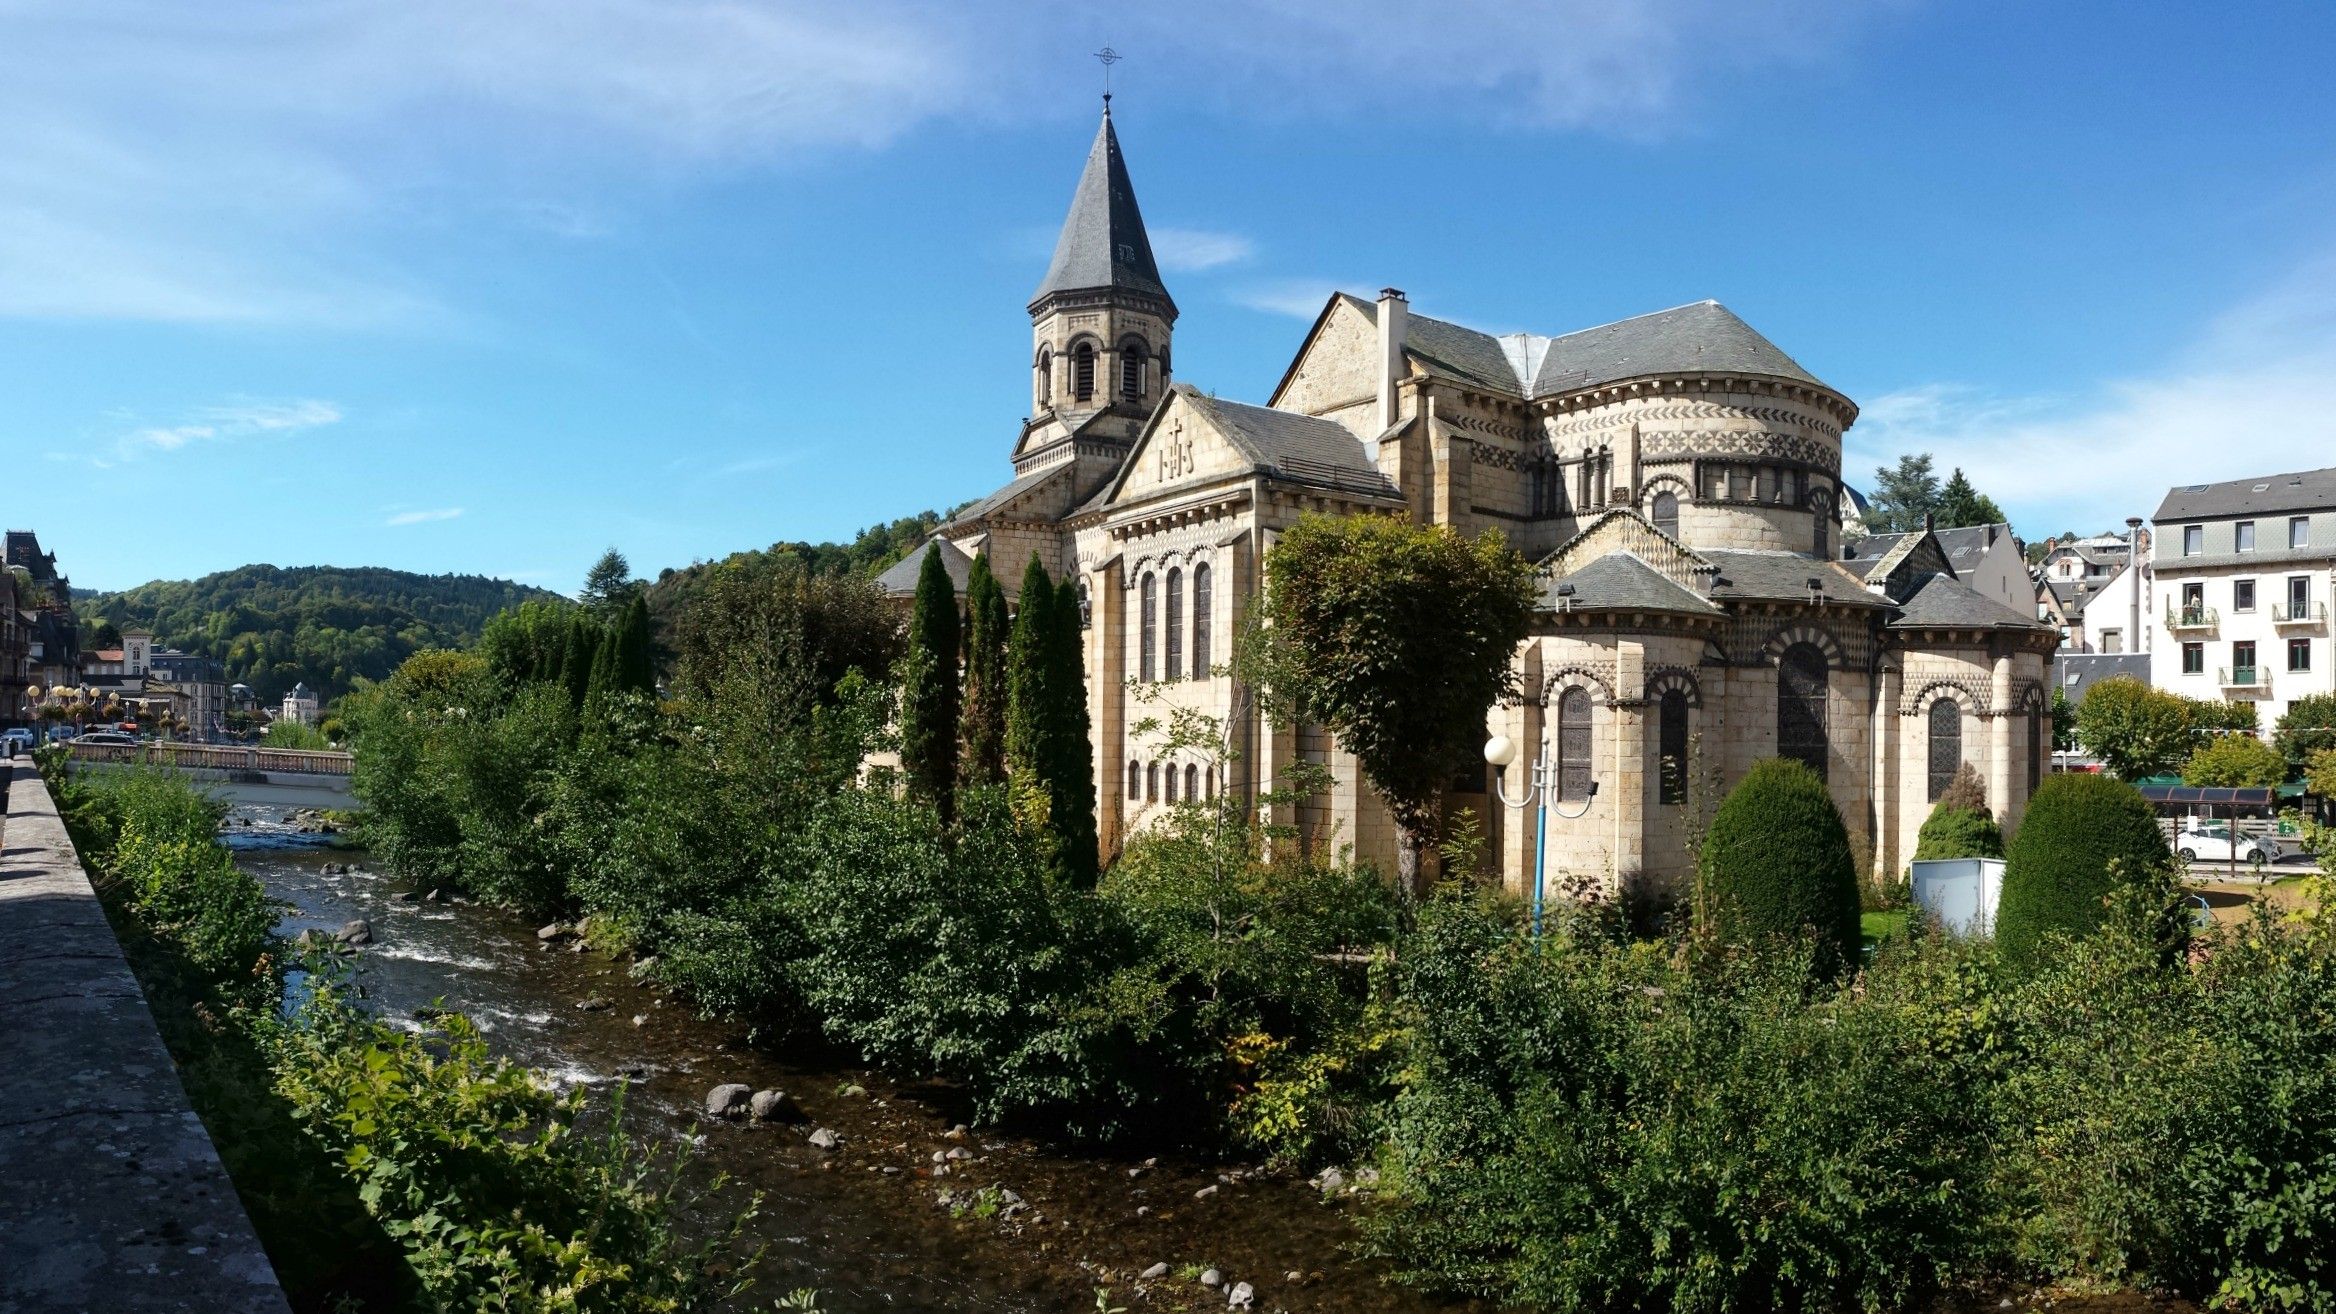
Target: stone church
<point>1676,475</point>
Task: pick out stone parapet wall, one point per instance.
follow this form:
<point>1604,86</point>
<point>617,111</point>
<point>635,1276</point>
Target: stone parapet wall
<point>111,1194</point>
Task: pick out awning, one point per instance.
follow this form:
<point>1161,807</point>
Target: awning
<point>2210,795</point>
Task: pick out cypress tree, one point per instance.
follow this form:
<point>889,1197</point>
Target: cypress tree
<point>607,672</point>
<point>982,759</point>
<point>1027,670</point>
<point>636,669</point>
<point>929,690</point>
<point>576,662</point>
<point>1072,781</point>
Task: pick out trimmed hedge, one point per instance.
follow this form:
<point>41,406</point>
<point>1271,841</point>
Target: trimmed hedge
<point>1777,862</point>
<point>2058,872</point>
<point>1958,833</point>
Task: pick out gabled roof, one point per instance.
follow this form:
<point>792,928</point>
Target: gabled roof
<point>1620,581</point>
<point>2304,490</point>
<point>1294,448</point>
<point>1005,497</point>
<point>1103,244</point>
<point>1965,548</point>
<point>1943,603</point>
<point>901,580</point>
<point>1784,577</point>
<point>2075,673</point>
<point>1702,338</point>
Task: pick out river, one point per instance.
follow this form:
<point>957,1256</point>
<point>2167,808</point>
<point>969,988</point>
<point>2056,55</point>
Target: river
<point>860,1225</point>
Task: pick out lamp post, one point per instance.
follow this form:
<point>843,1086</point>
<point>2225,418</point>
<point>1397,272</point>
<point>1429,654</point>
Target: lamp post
<point>1541,782</point>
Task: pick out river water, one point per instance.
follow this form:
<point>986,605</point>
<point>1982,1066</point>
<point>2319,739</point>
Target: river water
<point>860,1225</point>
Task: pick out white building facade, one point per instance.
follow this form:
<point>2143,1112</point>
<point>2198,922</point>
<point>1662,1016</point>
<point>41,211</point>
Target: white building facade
<point>2244,569</point>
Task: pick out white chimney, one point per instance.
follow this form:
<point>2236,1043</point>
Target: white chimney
<point>2133,567</point>
<point>1394,318</point>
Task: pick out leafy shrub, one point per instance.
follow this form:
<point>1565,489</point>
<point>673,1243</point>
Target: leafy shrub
<point>1958,833</point>
<point>1777,863</point>
<point>1607,1126</point>
<point>2083,834</point>
<point>2235,761</point>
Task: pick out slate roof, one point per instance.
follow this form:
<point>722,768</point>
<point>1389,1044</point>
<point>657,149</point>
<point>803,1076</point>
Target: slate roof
<point>1942,602</point>
<point>1103,244</point>
<point>1784,577</point>
<point>1965,548</point>
<point>998,500</point>
<point>901,580</point>
<point>2075,673</point>
<point>1620,581</point>
<point>1703,338</point>
<point>2074,595</point>
<point>1296,448</point>
<point>2305,490</point>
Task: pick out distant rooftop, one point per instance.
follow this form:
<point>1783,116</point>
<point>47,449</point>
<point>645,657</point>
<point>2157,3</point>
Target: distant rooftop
<point>2304,490</point>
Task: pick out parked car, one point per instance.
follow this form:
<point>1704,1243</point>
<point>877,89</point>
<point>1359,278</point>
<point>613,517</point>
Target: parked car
<point>2210,842</point>
<point>60,733</point>
<point>114,737</point>
<point>15,740</point>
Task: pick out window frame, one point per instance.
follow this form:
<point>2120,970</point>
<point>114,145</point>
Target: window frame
<point>1148,625</point>
<point>1083,372</point>
<point>1658,516</point>
<point>2193,659</point>
<point>2252,662</point>
<point>1132,359</point>
<point>1576,743</point>
<point>2299,647</point>
<point>2243,536</point>
<point>1671,748</point>
<point>1175,627</point>
<point>2243,594</point>
<point>1944,731</point>
<point>1804,688</point>
<point>2299,532</point>
<point>2299,596</point>
<point>2193,540</point>
<point>1204,597</point>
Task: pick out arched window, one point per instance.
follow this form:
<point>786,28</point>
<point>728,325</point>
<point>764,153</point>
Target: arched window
<point>1211,778</point>
<point>1573,745</point>
<point>1666,515</point>
<point>1083,372</point>
<point>1175,624</point>
<point>1203,600</point>
<point>1671,748</point>
<point>1131,371</point>
<point>1946,744</point>
<point>1152,783</point>
<point>1191,784</point>
<point>1171,782</point>
<point>1135,780</point>
<point>1045,376</point>
<point>1150,628</point>
<point>1800,706</point>
<point>2037,734</point>
<point>1824,545</point>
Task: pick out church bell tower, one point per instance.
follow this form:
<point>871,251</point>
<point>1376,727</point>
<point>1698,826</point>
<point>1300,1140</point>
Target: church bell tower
<point>1100,323</point>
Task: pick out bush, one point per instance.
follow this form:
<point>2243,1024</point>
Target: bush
<point>1777,863</point>
<point>1606,1126</point>
<point>2083,835</point>
<point>2235,761</point>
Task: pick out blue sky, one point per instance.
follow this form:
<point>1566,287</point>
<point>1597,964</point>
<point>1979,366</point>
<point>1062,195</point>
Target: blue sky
<point>453,286</point>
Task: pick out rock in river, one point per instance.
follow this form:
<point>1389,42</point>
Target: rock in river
<point>825,1139</point>
<point>1159,1270</point>
<point>356,932</point>
<point>728,1100</point>
<point>1241,1297</point>
<point>775,1106</point>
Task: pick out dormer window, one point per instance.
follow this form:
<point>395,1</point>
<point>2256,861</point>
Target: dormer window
<point>1131,371</point>
<point>1083,372</point>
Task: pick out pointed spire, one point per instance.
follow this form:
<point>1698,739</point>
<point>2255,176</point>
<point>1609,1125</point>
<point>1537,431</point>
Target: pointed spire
<point>1103,244</point>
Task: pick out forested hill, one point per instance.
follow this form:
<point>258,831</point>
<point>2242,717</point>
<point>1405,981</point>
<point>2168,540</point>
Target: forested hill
<point>327,626</point>
<point>868,554</point>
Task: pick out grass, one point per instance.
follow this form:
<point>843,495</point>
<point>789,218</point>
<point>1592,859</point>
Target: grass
<point>1875,927</point>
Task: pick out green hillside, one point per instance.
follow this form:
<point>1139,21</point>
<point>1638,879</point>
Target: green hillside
<point>327,626</point>
<point>868,554</point>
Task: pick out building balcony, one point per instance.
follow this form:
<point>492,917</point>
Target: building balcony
<point>2179,619</point>
<point>2312,615</point>
<point>2253,679</point>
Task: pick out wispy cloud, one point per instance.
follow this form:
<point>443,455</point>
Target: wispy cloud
<point>2246,398</point>
<point>254,166</point>
<point>1298,298</point>
<point>210,424</point>
<point>403,518</point>
<point>1190,250</point>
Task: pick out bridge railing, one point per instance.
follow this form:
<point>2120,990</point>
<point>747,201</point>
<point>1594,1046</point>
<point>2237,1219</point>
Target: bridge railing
<point>217,757</point>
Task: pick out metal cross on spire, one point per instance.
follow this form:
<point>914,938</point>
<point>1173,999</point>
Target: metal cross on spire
<point>1108,57</point>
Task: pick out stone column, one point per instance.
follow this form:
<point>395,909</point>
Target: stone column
<point>1523,724</point>
<point>1999,738</point>
<point>1889,738</point>
<point>1107,695</point>
<point>1629,756</point>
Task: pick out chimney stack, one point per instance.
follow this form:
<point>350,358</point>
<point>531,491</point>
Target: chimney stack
<point>2133,565</point>
<point>1394,319</point>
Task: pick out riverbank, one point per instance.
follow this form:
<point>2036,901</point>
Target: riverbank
<point>863,1224</point>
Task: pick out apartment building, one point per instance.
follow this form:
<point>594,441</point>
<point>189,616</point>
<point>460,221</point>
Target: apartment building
<point>2244,570</point>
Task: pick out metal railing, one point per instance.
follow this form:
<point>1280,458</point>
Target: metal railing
<point>2245,677</point>
<point>2311,613</point>
<point>217,757</point>
<point>2191,618</point>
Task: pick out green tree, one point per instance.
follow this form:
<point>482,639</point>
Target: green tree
<point>1030,677</point>
<point>1903,494</point>
<point>2320,773</point>
<point>1071,783</point>
<point>1961,505</point>
<point>983,747</point>
<point>929,690</point>
<point>2238,761</point>
<point>2136,730</point>
<point>1396,637</point>
<point>1777,863</point>
<point>636,663</point>
<point>577,656</point>
<point>2063,721</point>
<point>609,585</point>
<point>2306,728</point>
<point>2084,835</point>
<point>1959,825</point>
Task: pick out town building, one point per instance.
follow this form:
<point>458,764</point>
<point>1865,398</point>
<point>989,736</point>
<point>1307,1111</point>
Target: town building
<point>2244,568</point>
<point>2089,591</point>
<point>1989,560</point>
<point>1676,475</point>
<point>16,629</point>
<point>48,594</point>
<point>199,684</point>
<point>300,704</point>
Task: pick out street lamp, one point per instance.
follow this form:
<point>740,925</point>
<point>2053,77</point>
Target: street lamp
<point>1541,782</point>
